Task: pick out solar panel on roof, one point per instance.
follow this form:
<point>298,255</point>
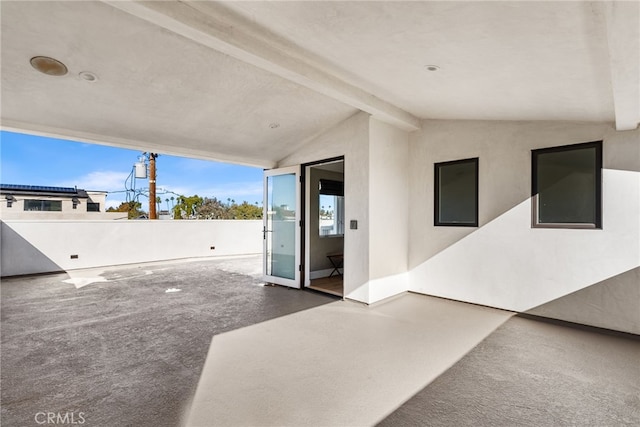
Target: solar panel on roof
<point>56,189</point>
<point>38,188</point>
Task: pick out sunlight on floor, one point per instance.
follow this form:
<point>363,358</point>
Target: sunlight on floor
<point>343,363</point>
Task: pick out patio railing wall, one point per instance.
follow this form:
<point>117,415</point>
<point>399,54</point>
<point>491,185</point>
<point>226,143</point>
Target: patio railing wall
<point>32,247</point>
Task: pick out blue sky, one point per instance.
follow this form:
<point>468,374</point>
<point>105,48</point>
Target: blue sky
<point>34,160</point>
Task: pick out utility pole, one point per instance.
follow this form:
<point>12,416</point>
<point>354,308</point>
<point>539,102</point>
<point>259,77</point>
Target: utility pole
<point>152,186</point>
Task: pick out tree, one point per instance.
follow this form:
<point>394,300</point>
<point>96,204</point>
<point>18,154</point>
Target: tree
<point>212,209</point>
<point>196,207</point>
<point>158,202</point>
<point>187,207</point>
<point>168,208</point>
<point>245,211</point>
<point>133,208</point>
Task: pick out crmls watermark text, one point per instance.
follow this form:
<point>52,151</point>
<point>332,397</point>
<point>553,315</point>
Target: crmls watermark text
<point>59,418</point>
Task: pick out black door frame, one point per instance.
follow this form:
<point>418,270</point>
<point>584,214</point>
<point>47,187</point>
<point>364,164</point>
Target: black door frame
<point>303,210</point>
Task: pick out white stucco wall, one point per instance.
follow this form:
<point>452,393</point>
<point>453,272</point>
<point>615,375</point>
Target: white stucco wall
<point>351,140</point>
<point>29,247</point>
<point>504,262</point>
<point>611,304</point>
<point>388,210</point>
<point>377,196</point>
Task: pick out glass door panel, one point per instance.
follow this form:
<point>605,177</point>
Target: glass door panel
<point>281,226</point>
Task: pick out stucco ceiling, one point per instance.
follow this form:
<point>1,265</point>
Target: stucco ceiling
<point>251,81</point>
<point>497,61</point>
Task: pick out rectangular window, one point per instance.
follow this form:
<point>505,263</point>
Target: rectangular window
<point>456,193</point>
<point>567,186</point>
<point>93,207</point>
<point>42,205</point>
<point>331,207</point>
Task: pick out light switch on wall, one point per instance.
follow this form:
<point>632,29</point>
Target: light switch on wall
<point>353,224</point>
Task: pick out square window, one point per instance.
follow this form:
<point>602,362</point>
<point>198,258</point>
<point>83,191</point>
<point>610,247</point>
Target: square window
<point>93,207</point>
<point>567,186</point>
<point>456,193</point>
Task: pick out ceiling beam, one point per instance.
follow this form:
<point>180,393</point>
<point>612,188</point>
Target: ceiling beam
<point>623,38</point>
<point>165,147</point>
<point>215,26</point>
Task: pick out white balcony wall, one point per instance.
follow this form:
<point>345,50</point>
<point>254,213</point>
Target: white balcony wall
<point>31,247</point>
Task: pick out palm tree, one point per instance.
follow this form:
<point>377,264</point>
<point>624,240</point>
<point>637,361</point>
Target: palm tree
<point>158,202</point>
<point>167,200</point>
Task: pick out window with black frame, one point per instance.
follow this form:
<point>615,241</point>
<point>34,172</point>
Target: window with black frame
<point>566,186</point>
<point>42,205</point>
<point>331,208</point>
<point>456,193</point>
<point>93,207</point>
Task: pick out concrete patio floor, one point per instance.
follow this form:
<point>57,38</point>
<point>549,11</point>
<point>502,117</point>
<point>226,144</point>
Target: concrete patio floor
<point>221,349</point>
<point>113,345</point>
<point>341,364</point>
<point>533,373</point>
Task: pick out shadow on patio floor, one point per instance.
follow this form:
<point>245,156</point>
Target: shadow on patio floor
<point>124,351</point>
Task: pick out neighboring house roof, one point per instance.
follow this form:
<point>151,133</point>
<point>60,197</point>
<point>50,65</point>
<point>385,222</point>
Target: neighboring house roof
<point>40,190</point>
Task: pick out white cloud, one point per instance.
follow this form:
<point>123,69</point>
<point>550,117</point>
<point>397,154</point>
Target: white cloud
<point>109,181</point>
<point>237,189</point>
<point>99,181</point>
<point>113,203</point>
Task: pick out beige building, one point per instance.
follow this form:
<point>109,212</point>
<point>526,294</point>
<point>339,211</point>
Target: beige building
<point>46,203</point>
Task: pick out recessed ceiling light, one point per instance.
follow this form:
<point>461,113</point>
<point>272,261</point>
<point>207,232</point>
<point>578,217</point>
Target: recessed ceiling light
<point>432,67</point>
<point>48,66</point>
<point>88,76</point>
<point>274,125</point>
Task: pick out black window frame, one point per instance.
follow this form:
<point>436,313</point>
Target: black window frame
<point>597,225</point>
<point>436,213</point>
<point>93,207</point>
<point>42,203</point>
